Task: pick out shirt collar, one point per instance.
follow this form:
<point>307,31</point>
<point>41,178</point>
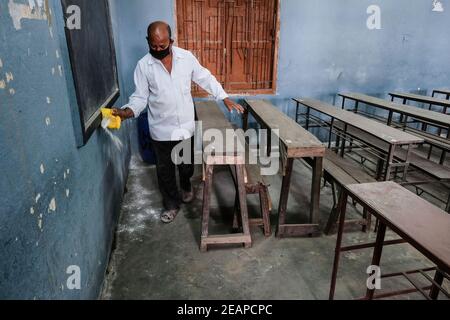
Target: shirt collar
<point>176,55</point>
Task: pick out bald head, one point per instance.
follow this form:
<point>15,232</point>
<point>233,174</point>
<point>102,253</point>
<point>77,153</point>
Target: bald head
<point>159,31</point>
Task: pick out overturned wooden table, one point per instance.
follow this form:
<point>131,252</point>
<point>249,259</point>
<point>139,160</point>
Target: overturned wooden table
<point>295,143</point>
<point>416,221</point>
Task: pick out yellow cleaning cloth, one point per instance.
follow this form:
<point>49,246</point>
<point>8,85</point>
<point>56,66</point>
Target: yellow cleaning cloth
<point>114,122</point>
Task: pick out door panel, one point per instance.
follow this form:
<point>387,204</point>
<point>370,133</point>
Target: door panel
<point>234,39</point>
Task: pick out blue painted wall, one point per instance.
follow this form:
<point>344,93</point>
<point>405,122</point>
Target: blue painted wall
<point>326,47</point>
<point>59,204</point>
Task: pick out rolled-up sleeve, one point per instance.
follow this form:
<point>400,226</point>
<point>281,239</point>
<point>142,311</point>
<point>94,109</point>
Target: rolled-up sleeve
<point>139,99</point>
<point>207,81</point>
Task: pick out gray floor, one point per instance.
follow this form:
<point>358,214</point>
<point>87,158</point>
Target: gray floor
<point>157,261</point>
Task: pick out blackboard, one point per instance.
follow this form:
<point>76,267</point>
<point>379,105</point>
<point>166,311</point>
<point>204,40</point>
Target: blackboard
<point>93,61</point>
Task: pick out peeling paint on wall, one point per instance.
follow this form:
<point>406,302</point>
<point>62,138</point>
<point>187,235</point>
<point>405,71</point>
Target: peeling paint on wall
<point>438,6</point>
<point>42,169</point>
<point>12,92</point>
<point>32,210</point>
<point>9,77</point>
<point>37,197</point>
<point>49,100</point>
<point>2,84</point>
<point>52,205</point>
<point>48,121</point>
<point>60,70</point>
<point>67,193</point>
<point>53,71</point>
<point>1,63</point>
<point>35,10</point>
<point>57,54</point>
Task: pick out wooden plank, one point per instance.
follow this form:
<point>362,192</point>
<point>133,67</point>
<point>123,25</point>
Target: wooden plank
<point>421,98</point>
<point>376,129</point>
<point>442,91</point>
<point>420,223</point>
<point>436,141</point>
<point>227,239</point>
<point>337,173</point>
<point>210,114</point>
<point>298,230</point>
<point>420,114</point>
<point>298,141</point>
<point>350,167</point>
<point>438,171</point>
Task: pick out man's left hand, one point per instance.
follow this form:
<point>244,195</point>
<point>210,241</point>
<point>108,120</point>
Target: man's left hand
<point>231,105</point>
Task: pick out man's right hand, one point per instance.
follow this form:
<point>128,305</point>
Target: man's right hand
<point>123,113</point>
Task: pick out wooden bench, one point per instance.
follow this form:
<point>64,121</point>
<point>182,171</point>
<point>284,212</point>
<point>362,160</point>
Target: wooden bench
<point>432,101</point>
<point>340,172</point>
<point>436,170</point>
<point>247,179</point>
<point>295,143</point>
<point>445,92</point>
<point>426,117</point>
<point>414,220</point>
<point>226,153</point>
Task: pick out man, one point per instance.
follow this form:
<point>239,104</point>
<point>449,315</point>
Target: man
<point>163,83</point>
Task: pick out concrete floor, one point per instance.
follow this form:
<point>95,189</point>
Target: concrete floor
<point>155,261</point>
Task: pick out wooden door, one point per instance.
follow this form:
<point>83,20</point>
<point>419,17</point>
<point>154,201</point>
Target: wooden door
<point>235,39</point>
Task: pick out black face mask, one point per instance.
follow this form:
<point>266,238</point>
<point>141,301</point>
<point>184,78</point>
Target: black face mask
<point>160,54</point>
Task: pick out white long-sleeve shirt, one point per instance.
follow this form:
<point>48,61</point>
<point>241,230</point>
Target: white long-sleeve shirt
<point>171,113</point>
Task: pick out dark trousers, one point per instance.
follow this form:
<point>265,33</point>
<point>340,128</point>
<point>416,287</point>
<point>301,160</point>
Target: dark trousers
<point>166,171</point>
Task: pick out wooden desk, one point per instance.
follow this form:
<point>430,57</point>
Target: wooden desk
<point>393,137</point>
<point>416,221</point>
<point>445,92</point>
<point>426,117</point>
<point>225,153</point>
<point>295,143</point>
<point>445,104</point>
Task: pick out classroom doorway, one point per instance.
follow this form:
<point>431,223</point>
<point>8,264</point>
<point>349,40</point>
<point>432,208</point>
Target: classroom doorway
<point>237,40</point>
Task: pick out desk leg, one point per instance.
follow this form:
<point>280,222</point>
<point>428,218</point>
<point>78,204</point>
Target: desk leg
<point>439,279</point>
<point>444,153</point>
<point>405,170</point>
<point>245,119</point>
<point>315,189</point>
<point>243,202</point>
<point>342,208</point>
<point>377,254</point>
<point>344,141</point>
<point>391,114</point>
<point>343,103</point>
<point>296,112</point>
<point>308,114</point>
<point>389,162</point>
<point>330,136</point>
<point>206,203</point>
<point>284,194</point>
